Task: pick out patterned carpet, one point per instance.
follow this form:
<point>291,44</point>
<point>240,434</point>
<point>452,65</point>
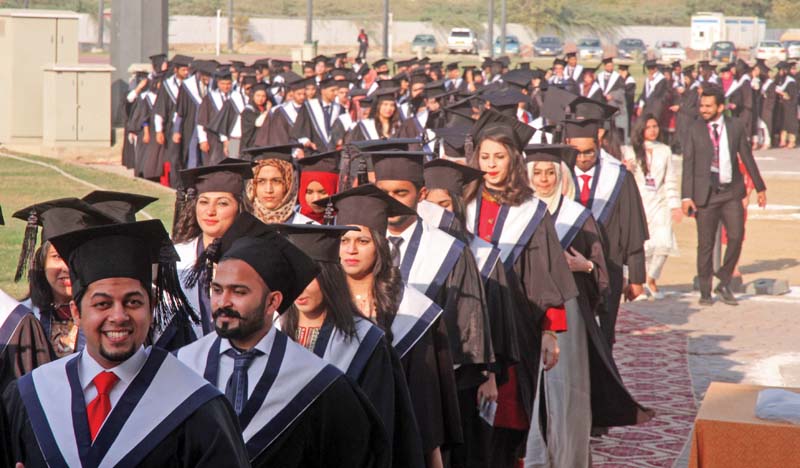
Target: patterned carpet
<point>653,362</point>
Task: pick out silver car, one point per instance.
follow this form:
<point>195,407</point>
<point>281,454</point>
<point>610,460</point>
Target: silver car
<point>589,48</point>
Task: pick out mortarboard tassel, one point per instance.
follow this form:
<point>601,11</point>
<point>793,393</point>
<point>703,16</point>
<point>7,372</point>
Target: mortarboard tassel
<point>180,201</point>
<point>204,265</point>
<point>362,177</point>
<point>329,216</point>
<point>468,148</point>
<point>172,304</point>
<point>28,247</point>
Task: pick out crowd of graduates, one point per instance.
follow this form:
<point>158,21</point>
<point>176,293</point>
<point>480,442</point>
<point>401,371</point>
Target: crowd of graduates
<point>420,268</point>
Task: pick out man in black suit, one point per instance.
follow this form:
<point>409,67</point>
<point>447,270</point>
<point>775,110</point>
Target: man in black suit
<point>713,188</point>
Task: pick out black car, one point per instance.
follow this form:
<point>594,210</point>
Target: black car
<point>547,45</point>
<point>631,49</point>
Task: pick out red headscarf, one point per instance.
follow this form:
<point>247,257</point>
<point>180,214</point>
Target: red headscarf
<point>328,180</point>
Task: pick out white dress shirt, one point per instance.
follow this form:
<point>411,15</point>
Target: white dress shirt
<point>725,169</point>
<point>256,369</point>
<point>88,369</point>
<point>406,235</point>
<point>579,173</point>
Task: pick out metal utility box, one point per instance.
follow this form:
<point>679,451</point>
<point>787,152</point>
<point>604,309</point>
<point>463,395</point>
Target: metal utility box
<point>76,104</point>
<point>30,40</point>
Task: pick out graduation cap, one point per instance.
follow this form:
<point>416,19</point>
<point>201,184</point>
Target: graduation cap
<point>558,61</point>
<point>487,62</point>
<point>423,60</point>
<point>384,94</point>
<point>379,63</point>
<point>323,162</point>
<point>308,64</point>
<point>366,205</point>
<point>299,83</point>
<point>453,139</point>
<point>586,70</point>
<point>571,54</point>
<point>286,268</point>
<point>280,152</point>
<point>435,65</point>
<point>623,66</point>
<point>55,217</point>
<point>121,206</point>
<point>405,63</point>
<point>606,60</point>
<point>504,61</point>
<point>218,178</point>
<point>551,153</point>
<point>650,64</point>
<point>524,66</point>
<point>399,165</point>
<point>237,64</point>
<point>260,86</point>
<point>555,103</point>
<point>157,60</point>
<point>519,77</point>
<point>676,64</point>
<point>396,144</point>
<point>261,64</point>
<point>341,73</point>
<point>223,74</point>
<point>506,101</point>
<point>419,76</point>
<point>320,243</point>
<point>493,123</point>
<point>181,60</point>
<point>341,55</point>
<point>581,128</point>
<point>783,65</point>
<point>388,84</point>
<point>459,113</point>
<point>328,82</point>
<point>127,250</point>
<point>205,67</point>
<point>357,92</point>
<point>449,175</point>
<point>452,66</point>
<point>585,108</point>
<point>400,77</point>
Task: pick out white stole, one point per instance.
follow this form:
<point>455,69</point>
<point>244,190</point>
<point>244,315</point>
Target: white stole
<point>415,315</point>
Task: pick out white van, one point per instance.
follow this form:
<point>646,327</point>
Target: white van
<point>462,40</point>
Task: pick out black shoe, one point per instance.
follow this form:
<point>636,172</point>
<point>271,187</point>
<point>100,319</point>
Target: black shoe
<point>725,295</point>
<point>706,300</point>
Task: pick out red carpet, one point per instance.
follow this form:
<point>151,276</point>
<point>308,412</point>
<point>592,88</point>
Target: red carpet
<point>653,361</point>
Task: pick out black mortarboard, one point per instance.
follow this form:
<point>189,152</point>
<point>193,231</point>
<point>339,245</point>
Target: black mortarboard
<point>298,83</point>
<point>205,67</point>
<point>519,77</point>
<point>157,60</point>
<point>280,152</point>
<point>341,72</point>
<point>223,74</point>
<point>504,61</point>
<point>56,217</point>
<point>419,76</point>
<point>551,153</point>
<point>237,64</point>
<point>650,64</point>
<point>218,178</point>
<point>459,113</point>
<point>586,70</point>
<point>405,63</point>
<point>385,94</point>
<point>121,206</point>
<point>556,101</point>
<point>280,264</point>
<point>396,144</point>
<point>380,63</point>
<point>524,66</point>
<point>387,84</point>
<point>583,107</point>
<point>570,54</point>
<point>320,243</point>
<point>320,58</point>
<point>399,165</point>
<point>607,60</point>
<point>494,123</point>
<point>453,140</point>
<point>452,66</point>
<point>581,128</point>
<point>323,162</point>
<point>341,55</point>
<point>261,86</point>
<point>181,60</point>
<point>261,63</point>
<point>783,65</point>
<point>506,101</point>
<point>366,205</point>
<point>449,175</point>
<point>357,92</point>
<point>558,61</point>
<point>400,77</point>
<point>308,64</point>
<point>623,66</point>
<point>676,64</point>
<point>328,82</point>
<point>127,251</point>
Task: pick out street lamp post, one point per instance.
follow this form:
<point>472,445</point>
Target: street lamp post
<point>309,20</point>
<point>385,28</point>
<point>502,27</point>
<point>490,29</point>
<point>230,25</point>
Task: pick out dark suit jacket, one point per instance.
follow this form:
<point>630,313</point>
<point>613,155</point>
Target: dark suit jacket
<point>699,151</point>
<point>657,102</point>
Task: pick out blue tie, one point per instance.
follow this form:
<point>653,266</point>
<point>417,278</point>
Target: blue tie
<point>236,390</point>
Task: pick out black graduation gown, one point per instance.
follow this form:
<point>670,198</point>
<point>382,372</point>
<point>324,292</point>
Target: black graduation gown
<point>768,101</point>
<point>128,148</point>
<point>624,232</point>
<point>339,429</point>
<point>151,164</point>
<point>540,279</point>
<point>187,109</point>
<point>630,97</point>
<point>612,404</point>
<point>742,97</point>
<point>428,369</point>
<point>304,128</point>
<point>134,124</point>
<point>279,128</point>
<point>27,349</point>
<point>656,103</point>
<point>501,308</point>
<point>165,107</point>
<point>252,134</point>
<point>789,122</point>
<point>209,437</point>
<point>687,113</point>
<point>205,116</point>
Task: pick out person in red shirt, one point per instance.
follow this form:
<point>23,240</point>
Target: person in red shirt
<point>501,209</point>
<point>363,44</point>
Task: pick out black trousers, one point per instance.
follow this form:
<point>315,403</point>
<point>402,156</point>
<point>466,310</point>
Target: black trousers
<point>474,452</point>
<point>608,320</point>
<point>723,206</point>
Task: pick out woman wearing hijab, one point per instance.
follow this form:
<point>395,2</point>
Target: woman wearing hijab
<point>585,390</point>
<point>501,210</point>
<point>273,191</point>
<point>319,178</point>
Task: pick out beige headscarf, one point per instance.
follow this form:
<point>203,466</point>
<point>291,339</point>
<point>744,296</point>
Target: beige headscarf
<point>286,207</point>
<point>566,184</point>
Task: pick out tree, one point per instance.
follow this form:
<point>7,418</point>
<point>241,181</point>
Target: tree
<point>784,13</point>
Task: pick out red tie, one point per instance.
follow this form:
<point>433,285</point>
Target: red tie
<point>98,409</point>
<point>585,189</point>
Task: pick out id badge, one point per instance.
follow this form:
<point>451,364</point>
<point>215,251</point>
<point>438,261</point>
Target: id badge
<point>650,183</point>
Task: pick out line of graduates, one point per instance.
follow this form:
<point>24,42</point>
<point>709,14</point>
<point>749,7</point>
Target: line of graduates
<point>442,290</point>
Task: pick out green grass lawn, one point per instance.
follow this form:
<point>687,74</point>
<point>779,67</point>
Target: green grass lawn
<point>23,184</point>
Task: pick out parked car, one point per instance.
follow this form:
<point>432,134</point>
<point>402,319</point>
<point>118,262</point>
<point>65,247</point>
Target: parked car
<point>766,50</point>
<point>424,43</point>
<point>792,49</point>
<point>547,45</point>
<point>723,51</point>
<point>462,40</point>
<point>630,48</point>
<point>512,45</point>
<point>589,48</point>
<point>670,51</point>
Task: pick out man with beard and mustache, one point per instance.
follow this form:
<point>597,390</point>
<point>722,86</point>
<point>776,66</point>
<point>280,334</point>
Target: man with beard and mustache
<point>119,403</point>
<point>294,408</point>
